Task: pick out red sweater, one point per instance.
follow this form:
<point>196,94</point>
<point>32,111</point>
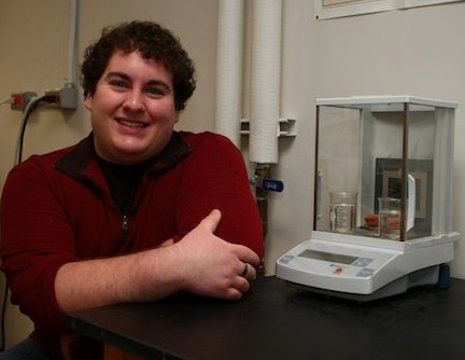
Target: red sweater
<point>57,208</point>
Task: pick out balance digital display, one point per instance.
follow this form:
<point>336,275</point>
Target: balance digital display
<point>327,256</point>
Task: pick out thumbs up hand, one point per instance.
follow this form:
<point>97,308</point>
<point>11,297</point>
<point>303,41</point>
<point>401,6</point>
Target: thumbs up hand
<point>210,266</point>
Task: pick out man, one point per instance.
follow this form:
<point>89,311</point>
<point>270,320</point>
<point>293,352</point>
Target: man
<point>136,211</point>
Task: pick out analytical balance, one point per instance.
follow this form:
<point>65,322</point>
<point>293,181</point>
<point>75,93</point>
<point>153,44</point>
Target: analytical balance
<point>382,198</point>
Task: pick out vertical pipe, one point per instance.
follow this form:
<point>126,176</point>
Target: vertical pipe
<point>72,41</point>
<point>265,96</point>
<point>265,81</point>
<point>262,171</point>
<point>229,69</point>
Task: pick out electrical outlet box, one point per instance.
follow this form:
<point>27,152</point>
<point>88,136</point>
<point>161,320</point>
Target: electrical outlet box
<point>20,100</point>
<point>68,97</point>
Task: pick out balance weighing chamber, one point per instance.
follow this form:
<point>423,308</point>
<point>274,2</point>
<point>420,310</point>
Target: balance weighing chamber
<point>382,198</point>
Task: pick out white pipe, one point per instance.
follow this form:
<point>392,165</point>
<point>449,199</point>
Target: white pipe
<point>229,69</point>
<point>72,41</point>
<point>265,81</point>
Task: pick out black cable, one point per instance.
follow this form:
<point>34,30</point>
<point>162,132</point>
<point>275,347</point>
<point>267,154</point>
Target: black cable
<point>27,112</point>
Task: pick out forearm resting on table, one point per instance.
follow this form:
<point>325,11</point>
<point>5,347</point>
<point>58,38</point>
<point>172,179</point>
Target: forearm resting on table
<point>134,277</point>
<point>154,274</point>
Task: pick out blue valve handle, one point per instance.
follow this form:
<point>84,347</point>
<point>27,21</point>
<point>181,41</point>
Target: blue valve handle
<point>267,184</point>
<point>272,185</point>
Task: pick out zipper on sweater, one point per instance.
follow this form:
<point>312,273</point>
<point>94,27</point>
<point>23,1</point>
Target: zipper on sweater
<point>124,227</point>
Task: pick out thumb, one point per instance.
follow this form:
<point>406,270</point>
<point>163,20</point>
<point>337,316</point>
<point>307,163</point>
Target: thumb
<point>211,221</point>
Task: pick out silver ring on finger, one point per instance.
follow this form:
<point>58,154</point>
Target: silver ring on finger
<point>246,270</point>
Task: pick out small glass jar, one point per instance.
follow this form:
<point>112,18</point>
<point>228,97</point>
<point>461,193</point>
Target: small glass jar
<point>342,211</point>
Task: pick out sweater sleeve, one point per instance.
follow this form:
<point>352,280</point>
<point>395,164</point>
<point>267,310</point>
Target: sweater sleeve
<point>35,241</point>
<point>215,177</point>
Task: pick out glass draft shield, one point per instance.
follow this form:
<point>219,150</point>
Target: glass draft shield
<point>383,166</point>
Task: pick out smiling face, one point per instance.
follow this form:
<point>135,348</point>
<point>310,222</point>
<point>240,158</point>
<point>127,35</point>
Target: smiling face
<point>132,109</point>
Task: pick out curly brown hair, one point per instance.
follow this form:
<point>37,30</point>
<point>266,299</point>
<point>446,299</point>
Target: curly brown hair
<point>152,41</point>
